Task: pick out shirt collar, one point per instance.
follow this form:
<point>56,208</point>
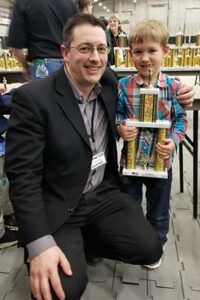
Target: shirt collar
<point>161,82</point>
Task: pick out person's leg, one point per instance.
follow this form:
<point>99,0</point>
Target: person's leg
<point>2,199</point>
<point>121,230</point>
<point>70,241</point>
<point>53,64</point>
<point>7,237</point>
<point>158,198</point>
<point>47,67</point>
<point>133,186</point>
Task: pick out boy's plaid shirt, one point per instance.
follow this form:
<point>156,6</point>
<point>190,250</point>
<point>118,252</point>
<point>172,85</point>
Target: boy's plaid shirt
<point>168,109</point>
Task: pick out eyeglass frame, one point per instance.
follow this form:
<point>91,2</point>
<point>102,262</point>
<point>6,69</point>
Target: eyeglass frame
<point>91,51</point>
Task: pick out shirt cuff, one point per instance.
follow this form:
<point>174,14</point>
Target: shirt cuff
<point>40,245</point>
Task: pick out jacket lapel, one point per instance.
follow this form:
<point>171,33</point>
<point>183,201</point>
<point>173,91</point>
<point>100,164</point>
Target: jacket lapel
<point>69,105</point>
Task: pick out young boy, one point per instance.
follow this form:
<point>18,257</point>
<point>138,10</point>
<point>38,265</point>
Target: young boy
<point>148,46</point>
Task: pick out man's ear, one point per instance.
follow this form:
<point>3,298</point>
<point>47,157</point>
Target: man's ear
<point>65,52</point>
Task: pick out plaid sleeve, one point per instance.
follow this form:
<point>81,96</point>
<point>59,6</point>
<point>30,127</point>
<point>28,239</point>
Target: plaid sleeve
<point>178,117</point>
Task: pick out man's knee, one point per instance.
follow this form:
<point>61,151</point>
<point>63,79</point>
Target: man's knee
<point>152,251</point>
<point>74,285</point>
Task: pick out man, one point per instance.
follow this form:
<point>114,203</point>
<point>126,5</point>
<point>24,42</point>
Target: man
<point>85,6</point>
<point>62,166</point>
<point>37,25</point>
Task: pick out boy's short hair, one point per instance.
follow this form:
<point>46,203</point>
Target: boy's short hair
<point>148,30</point>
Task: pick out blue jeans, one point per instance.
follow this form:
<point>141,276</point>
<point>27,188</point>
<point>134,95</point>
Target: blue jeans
<point>157,197</point>
<point>50,64</point>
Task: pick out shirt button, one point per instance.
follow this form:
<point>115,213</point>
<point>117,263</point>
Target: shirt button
<point>70,209</point>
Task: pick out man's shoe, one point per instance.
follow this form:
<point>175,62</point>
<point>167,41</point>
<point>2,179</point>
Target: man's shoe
<point>154,266</point>
<point>10,238</point>
<point>10,222</point>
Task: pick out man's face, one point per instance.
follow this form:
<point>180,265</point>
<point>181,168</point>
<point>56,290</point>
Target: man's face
<point>86,69</point>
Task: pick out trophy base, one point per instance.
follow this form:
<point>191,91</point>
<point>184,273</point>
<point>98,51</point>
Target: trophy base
<point>139,172</point>
<point>156,124</point>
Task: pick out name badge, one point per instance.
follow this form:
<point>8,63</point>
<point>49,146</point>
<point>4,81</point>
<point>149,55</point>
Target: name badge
<point>98,160</point>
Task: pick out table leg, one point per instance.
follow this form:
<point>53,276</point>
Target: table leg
<point>195,163</point>
<point>181,167</point>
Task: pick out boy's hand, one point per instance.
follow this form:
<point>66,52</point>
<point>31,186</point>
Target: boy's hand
<point>128,133</point>
<point>166,148</point>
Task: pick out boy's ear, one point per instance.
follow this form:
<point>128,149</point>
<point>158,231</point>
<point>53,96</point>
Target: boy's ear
<point>166,50</point>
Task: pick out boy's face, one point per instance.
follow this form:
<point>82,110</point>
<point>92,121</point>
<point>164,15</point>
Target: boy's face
<point>146,55</point>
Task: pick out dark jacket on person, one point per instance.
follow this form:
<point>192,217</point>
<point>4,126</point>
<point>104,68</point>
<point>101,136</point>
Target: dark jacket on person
<point>113,41</point>
<point>48,154</point>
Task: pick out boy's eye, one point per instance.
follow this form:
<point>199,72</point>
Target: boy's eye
<point>152,50</point>
<point>137,52</point>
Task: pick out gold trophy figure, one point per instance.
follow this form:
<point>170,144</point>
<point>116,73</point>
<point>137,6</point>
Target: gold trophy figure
<point>148,102</point>
<point>5,83</point>
<point>145,161</point>
<point>198,39</point>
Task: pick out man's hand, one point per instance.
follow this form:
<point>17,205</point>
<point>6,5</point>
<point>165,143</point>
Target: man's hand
<point>128,133</point>
<point>166,148</point>
<point>186,94</point>
<point>44,270</point>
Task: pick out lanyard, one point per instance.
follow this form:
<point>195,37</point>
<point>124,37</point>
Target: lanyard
<point>92,121</point>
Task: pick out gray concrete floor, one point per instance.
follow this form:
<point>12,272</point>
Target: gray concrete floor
<point>178,277</point>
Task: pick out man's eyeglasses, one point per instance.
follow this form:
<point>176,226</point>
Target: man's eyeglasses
<point>89,49</point>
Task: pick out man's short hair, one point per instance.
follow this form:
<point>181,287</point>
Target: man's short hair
<point>81,4</point>
<point>148,30</point>
<point>77,20</point>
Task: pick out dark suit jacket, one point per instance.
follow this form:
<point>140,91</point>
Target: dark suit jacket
<point>48,154</point>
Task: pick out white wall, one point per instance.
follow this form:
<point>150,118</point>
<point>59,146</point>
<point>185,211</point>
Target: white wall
<point>4,14</point>
<point>176,14</point>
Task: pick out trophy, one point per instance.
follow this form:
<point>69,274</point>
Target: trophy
<point>148,118</point>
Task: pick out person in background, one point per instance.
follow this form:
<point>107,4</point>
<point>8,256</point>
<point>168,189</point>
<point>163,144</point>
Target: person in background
<point>85,6</point>
<point>37,26</point>
<point>105,21</point>
<point>148,46</point>
<point>112,34</point>
<point>8,226</point>
<point>61,162</point>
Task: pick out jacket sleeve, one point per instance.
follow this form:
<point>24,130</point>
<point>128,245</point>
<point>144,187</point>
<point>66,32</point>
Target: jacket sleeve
<point>179,120</point>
